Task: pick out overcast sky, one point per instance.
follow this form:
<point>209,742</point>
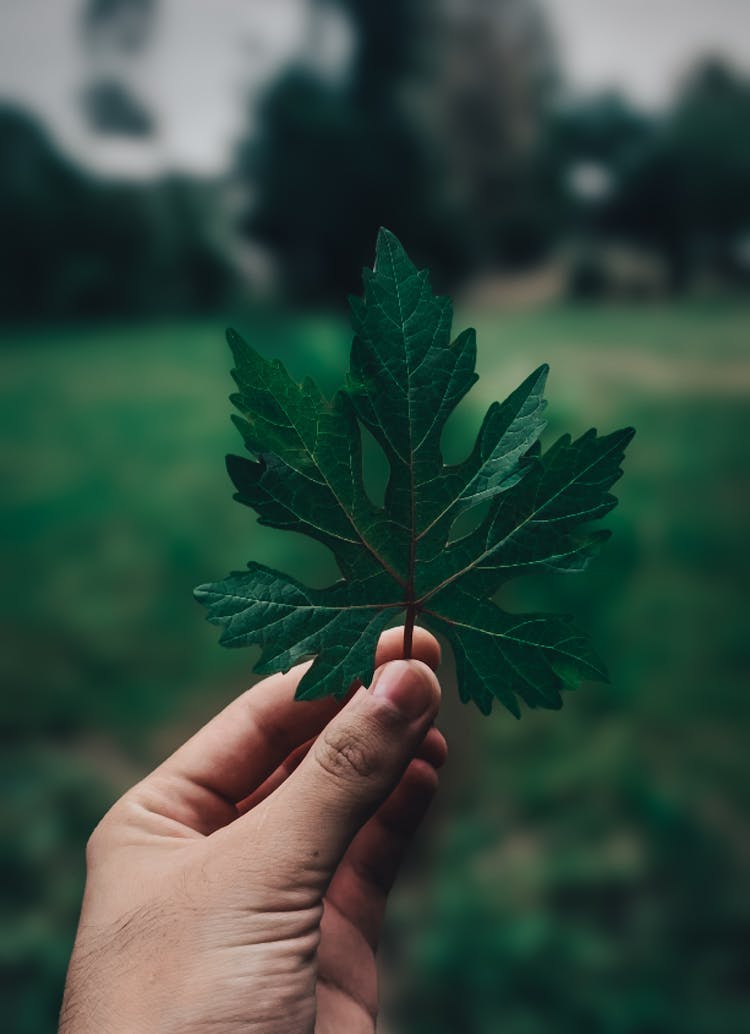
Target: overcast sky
<point>645,46</point>
<point>208,54</point>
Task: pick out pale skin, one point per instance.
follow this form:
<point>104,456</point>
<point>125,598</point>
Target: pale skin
<point>242,885</point>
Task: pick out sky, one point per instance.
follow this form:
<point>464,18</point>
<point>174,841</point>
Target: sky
<point>644,47</point>
<point>206,57</point>
<point>209,56</point>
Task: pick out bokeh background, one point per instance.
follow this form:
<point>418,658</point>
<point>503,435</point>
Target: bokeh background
<point>577,174</point>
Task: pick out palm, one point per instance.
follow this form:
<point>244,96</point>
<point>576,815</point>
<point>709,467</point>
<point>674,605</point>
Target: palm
<point>347,978</point>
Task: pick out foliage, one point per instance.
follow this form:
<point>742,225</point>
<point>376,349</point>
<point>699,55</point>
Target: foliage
<point>405,380</point>
<point>124,248</point>
<point>359,169</point>
<point>680,183</point>
<point>434,131</point>
<point>362,159</point>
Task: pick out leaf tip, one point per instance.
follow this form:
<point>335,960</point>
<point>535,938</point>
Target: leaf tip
<point>390,252</point>
<point>234,340</point>
<point>484,705</point>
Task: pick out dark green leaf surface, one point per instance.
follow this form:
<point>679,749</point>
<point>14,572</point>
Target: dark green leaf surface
<point>305,474</point>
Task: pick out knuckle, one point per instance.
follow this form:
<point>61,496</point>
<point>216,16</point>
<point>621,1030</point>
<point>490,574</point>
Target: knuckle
<point>347,754</point>
<point>104,835</point>
<point>96,842</point>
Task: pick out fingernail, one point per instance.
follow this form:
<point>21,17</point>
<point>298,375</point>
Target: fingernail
<point>408,685</point>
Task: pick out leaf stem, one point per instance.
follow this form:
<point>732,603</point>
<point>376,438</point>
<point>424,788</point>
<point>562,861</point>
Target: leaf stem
<point>411,614</point>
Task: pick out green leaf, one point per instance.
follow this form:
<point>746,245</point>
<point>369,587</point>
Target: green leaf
<point>305,474</point>
<point>290,620</point>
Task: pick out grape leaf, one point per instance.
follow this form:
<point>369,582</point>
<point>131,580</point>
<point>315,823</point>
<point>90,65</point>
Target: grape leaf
<point>305,474</point>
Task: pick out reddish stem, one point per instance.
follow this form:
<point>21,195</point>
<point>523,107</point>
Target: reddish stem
<point>411,614</point>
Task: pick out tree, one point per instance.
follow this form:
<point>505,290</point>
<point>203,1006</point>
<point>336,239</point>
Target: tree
<point>687,192</point>
<point>334,159</point>
<point>489,77</point>
<point>73,246</point>
<point>435,132</point>
<point>115,33</point>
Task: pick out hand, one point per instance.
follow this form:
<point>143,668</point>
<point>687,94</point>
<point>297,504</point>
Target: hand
<point>241,886</point>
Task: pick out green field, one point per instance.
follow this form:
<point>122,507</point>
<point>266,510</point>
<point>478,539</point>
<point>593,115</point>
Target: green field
<point>582,871</point>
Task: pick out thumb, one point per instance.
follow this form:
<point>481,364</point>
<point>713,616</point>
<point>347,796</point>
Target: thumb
<point>355,763</point>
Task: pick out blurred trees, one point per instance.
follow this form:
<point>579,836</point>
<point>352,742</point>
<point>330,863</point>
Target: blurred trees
<point>444,123</point>
<point>678,185</point>
<point>335,159</point>
<point>687,191</point>
<point>75,246</point>
<point>483,97</point>
<point>115,32</point>
<point>325,177</point>
<point>434,132</point>
<point>448,129</point>
<point>72,246</point>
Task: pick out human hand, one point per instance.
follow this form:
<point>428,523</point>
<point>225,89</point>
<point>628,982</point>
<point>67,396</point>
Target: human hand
<point>242,885</point>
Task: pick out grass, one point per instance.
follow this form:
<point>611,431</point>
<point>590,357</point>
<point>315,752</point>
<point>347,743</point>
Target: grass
<point>583,871</point>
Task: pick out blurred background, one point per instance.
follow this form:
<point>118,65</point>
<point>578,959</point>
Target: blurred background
<point>577,175</point>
